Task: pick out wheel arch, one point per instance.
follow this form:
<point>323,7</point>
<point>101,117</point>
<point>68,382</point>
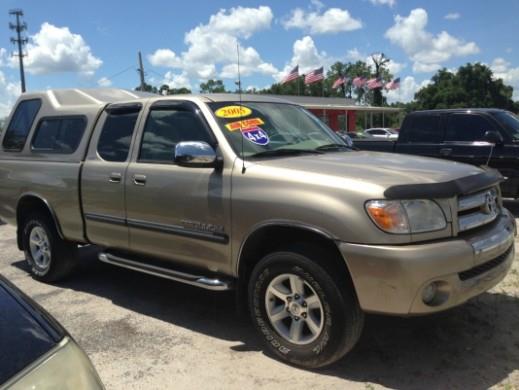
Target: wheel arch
<point>31,202</point>
<point>274,236</point>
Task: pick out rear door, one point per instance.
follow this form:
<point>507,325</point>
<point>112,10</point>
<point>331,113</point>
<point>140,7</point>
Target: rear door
<point>103,176</point>
<point>463,138</point>
<point>177,213</point>
<point>422,134</point>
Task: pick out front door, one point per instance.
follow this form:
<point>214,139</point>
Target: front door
<point>464,139</point>
<point>177,213</point>
<point>103,175</point>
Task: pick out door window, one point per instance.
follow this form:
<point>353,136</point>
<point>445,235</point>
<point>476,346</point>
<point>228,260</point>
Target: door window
<point>21,123</point>
<point>165,128</point>
<point>116,136</point>
<point>423,129</point>
<point>467,127</point>
<point>59,135</point>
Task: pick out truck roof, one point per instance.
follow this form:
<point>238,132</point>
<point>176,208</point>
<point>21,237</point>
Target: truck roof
<point>464,110</point>
<point>96,97</point>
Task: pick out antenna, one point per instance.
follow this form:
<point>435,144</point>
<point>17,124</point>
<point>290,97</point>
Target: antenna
<point>240,118</point>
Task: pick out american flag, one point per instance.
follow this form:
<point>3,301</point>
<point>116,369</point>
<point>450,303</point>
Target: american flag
<point>294,74</point>
<point>314,76</point>
<point>374,83</point>
<point>394,84</point>
<point>359,81</point>
<point>340,81</point>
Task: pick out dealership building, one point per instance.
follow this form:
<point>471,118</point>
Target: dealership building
<point>341,114</point>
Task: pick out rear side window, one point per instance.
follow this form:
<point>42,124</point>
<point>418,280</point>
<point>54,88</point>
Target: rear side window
<point>165,128</point>
<point>467,127</point>
<point>116,136</point>
<point>423,129</point>
<point>59,135</point>
<point>21,123</point>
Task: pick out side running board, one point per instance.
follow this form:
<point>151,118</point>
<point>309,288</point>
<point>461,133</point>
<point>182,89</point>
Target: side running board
<point>194,280</point>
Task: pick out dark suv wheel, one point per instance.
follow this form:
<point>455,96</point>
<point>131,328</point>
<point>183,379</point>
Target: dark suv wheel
<point>49,257</point>
<point>307,315</point>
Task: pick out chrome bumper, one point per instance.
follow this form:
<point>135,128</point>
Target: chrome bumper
<point>390,279</point>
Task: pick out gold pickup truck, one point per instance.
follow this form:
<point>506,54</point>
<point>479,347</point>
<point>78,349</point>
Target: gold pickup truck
<point>254,194</point>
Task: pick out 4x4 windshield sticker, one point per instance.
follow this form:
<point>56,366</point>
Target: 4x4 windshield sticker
<point>244,124</point>
<point>233,112</point>
<point>256,135</point>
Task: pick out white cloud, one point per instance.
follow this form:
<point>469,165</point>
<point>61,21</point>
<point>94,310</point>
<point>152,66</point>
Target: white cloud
<point>104,82</point>
<point>56,49</point>
<point>213,45</point>
<point>426,50</point>
<point>408,87</point>
<point>317,4</point>
<point>173,80</point>
<point>502,69</point>
<point>165,58</point>
<point>3,56</point>
<point>306,55</point>
<point>333,20</point>
<point>452,16</point>
<point>355,55</point>
<point>389,3</point>
<point>9,92</point>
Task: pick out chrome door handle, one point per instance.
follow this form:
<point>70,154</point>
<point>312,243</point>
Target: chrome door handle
<point>115,177</point>
<point>139,180</point>
<point>445,152</point>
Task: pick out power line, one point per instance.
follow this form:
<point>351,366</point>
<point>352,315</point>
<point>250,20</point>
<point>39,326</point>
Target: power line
<point>19,27</point>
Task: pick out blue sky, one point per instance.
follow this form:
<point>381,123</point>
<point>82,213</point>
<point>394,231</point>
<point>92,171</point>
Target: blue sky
<point>86,44</point>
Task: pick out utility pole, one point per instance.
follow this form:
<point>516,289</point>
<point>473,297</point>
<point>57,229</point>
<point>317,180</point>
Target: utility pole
<point>19,27</point>
<point>141,73</point>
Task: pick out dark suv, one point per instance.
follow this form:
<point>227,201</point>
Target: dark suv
<point>480,136</point>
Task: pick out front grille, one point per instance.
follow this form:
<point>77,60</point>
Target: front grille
<point>477,209</point>
<point>485,267</point>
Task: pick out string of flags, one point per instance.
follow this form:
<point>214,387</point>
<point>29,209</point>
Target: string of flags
<point>358,82</point>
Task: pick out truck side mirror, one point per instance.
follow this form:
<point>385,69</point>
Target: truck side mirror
<point>493,137</point>
<point>195,154</point>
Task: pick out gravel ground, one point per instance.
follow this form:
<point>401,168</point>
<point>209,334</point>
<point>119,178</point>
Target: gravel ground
<point>143,332</point>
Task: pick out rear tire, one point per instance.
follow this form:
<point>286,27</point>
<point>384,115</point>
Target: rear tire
<point>49,257</point>
<point>313,328</point>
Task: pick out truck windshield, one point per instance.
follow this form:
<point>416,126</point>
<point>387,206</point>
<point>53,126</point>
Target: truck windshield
<point>274,129</point>
<point>510,122</point>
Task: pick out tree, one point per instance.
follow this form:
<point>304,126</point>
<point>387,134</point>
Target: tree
<point>339,69</point>
<point>166,90</point>
<point>147,88</point>
<point>473,85</point>
<point>212,86</point>
<point>380,61</point>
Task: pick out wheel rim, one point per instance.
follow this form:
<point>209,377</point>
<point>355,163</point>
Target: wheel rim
<point>39,246</point>
<point>294,309</point>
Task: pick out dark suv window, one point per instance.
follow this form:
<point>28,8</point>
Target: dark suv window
<point>165,128</point>
<point>467,127</point>
<point>59,135</point>
<point>21,123</point>
<point>116,136</point>
<point>423,129</point>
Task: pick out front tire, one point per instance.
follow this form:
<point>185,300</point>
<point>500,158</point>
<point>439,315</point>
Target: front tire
<point>49,257</point>
<point>308,316</point>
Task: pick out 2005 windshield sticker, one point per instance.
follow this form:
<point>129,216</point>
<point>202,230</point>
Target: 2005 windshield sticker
<point>233,112</point>
<point>256,135</point>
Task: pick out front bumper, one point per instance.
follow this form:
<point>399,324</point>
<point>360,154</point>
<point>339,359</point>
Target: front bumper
<point>390,279</point>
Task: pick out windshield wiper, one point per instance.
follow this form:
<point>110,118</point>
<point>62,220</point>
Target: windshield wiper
<point>332,147</point>
<point>285,152</point>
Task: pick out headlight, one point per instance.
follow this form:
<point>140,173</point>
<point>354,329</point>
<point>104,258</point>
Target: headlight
<point>406,216</point>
